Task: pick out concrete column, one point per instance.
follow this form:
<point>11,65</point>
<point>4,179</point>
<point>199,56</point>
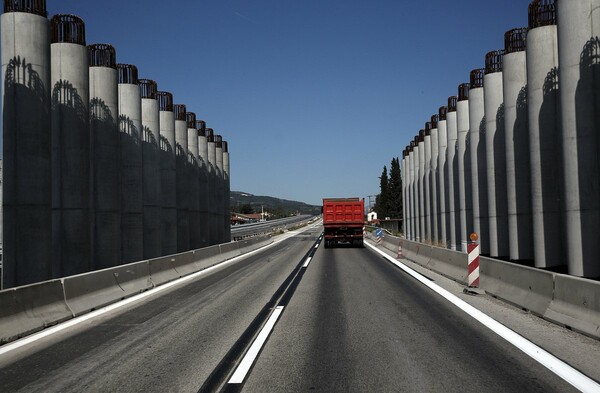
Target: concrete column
<point>452,163</point>
<point>496,155</point>
<point>404,203</point>
<point>194,182</point>
<point>416,182</point>
<point>544,134</point>
<point>105,157</point>
<point>220,188</point>
<point>422,212</point>
<point>204,187</point>
<point>151,163</point>
<point>168,174</point>
<point>427,177</point>
<point>478,160</point>
<point>182,178</point>
<point>212,185</point>
<point>464,167</point>
<point>130,122</point>
<point>435,202</point>
<point>578,46</point>
<point>27,195</point>
<point>443,178</point>
<point>69,78</point>
<point>227,193</point>
<point>411,193</point>
<point>518,183</point>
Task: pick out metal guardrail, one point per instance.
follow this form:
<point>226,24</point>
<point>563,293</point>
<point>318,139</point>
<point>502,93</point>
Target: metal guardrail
<point>261,228</point>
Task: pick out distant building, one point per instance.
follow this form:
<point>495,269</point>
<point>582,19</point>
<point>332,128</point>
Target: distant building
<point>372,217</point>
<point>239,218</point>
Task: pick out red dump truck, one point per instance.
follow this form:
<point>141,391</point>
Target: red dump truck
<point>343,219</point>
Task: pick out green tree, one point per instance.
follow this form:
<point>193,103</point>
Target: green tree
<point>395,190</point>
<point>246,209</point>
<point>382,201</point>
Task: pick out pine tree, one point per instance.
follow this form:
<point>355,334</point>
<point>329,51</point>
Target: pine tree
<point>395,190</point>
<point>382,201</point>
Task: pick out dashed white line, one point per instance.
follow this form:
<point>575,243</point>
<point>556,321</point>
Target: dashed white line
<point>240,373</point>
<point>557,366</point>
<point>307,262</point>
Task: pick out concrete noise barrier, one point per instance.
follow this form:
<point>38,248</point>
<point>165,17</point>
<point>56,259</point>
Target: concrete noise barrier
<point>27,309</point>
<point>522,286</point>
<point>576,304</point>
<point>89,291</point>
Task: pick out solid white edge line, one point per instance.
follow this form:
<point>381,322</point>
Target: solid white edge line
<point>307,262</point>
<point>557,366</point>
<point>4,349</point>
<point>242,370</point>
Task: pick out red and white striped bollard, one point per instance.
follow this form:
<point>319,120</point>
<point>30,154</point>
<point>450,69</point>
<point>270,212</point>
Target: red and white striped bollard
<point>473,252</point>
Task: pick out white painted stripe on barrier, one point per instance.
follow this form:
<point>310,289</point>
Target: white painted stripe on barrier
<point>317,245</point>
<point>101,311</point>
<point>307,262</point>
<point>551,362</point>
<point>240,373</point>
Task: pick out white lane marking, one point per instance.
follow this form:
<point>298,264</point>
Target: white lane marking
<point>307,262</point>
<point>240,373</point>
<point>75,321</point>
<point>558,367</point>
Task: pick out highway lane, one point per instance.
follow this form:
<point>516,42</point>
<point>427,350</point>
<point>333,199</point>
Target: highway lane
<point>166,343</point>
<point>356,323</point>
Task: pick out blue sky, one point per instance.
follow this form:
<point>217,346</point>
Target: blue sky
<point>314,96</point>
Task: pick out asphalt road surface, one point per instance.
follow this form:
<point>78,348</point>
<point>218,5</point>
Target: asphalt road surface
<point>348,321</point>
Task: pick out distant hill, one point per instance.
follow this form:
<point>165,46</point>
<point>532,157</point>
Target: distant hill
<point>279,207</point>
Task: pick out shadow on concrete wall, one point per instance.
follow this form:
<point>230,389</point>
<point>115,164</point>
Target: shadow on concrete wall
<point>194,202</point>
<point>551,164</point>
<point>168,197</point>
<point>501,196</point>
<point>484,236</point>
<point>71,181</point>
<point>27,221</point>
<point>587,104</point>
<point>151,194</point>
<point>132,248</point>
<point>183,203</point>
<point>522,156</point>
<point>106,186</point>
<point>466,159</point>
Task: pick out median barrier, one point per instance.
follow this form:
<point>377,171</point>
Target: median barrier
<point>576,304</point>
<point>29,308</point>
<point>523,286</point>
<point>449,263</point>
<point>417,252</point>
<point>391,243</point>
<point>207,257</point>
<point>230,250</point>
<point>88,291</point>
<point>164,269</point>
